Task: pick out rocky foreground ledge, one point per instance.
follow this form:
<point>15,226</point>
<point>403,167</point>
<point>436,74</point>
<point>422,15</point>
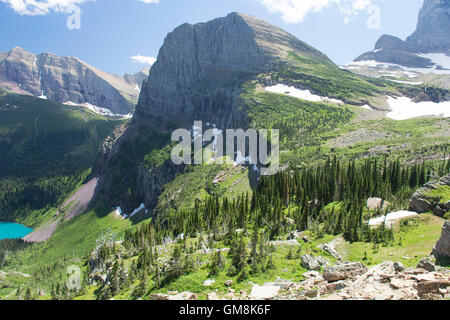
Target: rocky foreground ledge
<point>347,281</point>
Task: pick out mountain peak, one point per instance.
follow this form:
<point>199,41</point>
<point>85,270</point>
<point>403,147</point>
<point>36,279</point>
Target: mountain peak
<point>432,35</point>
<point>201,66</point>
<point>433,28</point>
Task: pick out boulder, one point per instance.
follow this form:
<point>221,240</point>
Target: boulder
<point>439,210</point>
<point>264,292</point>
<point>184,296</point>
<point>377,204</point>
<point>329,248</point>
<point>432,287</point>
<point>399,267</point>
<point>422,202</point>
<point>310,263</point>
<point>427,265</point>
<point>442,248</point>
<point>344,271</point>
<point>420,205</point>
<point>159,297</point>
<point>212,296</point>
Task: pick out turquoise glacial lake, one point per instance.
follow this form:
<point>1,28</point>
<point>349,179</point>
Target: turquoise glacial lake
<point>13,230</point>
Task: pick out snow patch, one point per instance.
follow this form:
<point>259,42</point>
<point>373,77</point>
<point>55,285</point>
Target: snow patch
<point>391,217</point>
<point>404,108</point>
<point>439,59</point>
<point>366,106</point>
<point>301,94</point>
<point>137,210</point>
<point>118,212</point>
<point>98,110</point>
<point>407,82</point>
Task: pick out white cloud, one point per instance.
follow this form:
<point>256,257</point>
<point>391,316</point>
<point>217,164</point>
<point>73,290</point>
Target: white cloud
<point>43,7</point>
<point>295,11</point>
<point>143,59</point>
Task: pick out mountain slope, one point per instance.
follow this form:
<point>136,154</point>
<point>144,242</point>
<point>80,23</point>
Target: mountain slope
<point>46,150</point>
<point>65,79</point>
<point>217,72</point>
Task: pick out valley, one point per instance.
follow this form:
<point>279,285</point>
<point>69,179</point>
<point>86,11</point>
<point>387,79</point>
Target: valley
<point>359,209</point>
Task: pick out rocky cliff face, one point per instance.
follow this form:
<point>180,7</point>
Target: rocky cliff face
<point>65,79</point>
<point>200,69</point>
<point>137,79</point>
<point>431,36</point>
<point>433,29</point>
<point>198,75</point>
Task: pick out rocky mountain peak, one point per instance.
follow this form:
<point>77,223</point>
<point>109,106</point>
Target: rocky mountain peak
<point>200,68</point>
<point>64,79</point>
<point>431,36</point>
<point>433,28</point>
<point>387,41</point>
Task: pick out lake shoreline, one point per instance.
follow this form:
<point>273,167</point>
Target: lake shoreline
<point>13,230</point>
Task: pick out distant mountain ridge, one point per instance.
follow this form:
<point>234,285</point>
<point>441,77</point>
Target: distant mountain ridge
<point>65,79</point>
<point>424,56</point>
<point>137,79</point>
<point>431,36</point>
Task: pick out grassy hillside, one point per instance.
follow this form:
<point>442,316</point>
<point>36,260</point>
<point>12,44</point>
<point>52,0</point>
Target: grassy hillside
<point>46,151</point>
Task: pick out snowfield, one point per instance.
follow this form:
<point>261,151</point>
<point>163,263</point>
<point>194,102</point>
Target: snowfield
<point>98,110</point>
<point>440,59</point>
<point>404,108</point>
<point>391,217</point>
<point>301,94</point>
<point>442,66</point>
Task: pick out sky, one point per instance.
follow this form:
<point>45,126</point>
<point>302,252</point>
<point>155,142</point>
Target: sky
<point>123,36</point>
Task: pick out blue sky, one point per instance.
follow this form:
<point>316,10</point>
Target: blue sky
<point>113,31</point>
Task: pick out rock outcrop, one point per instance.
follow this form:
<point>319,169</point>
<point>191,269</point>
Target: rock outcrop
<point>65,79</point>
<point>377,204</point>
<point>310,263</point>
<point>381,282</point>
<point>421,201</point>
<point>442,248</point>
<point>343,271</point>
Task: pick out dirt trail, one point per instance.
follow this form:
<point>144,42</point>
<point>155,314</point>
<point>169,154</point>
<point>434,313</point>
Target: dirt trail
<point>73,207</point>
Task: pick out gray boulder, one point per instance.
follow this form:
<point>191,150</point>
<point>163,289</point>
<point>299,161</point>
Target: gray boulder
<point>426,264</point>
<point>399,267</point>
<point>377,204</point>
<point>344,271</point>
<point>419,204</point>
<point>442,248</point>
<point>310,263</point>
